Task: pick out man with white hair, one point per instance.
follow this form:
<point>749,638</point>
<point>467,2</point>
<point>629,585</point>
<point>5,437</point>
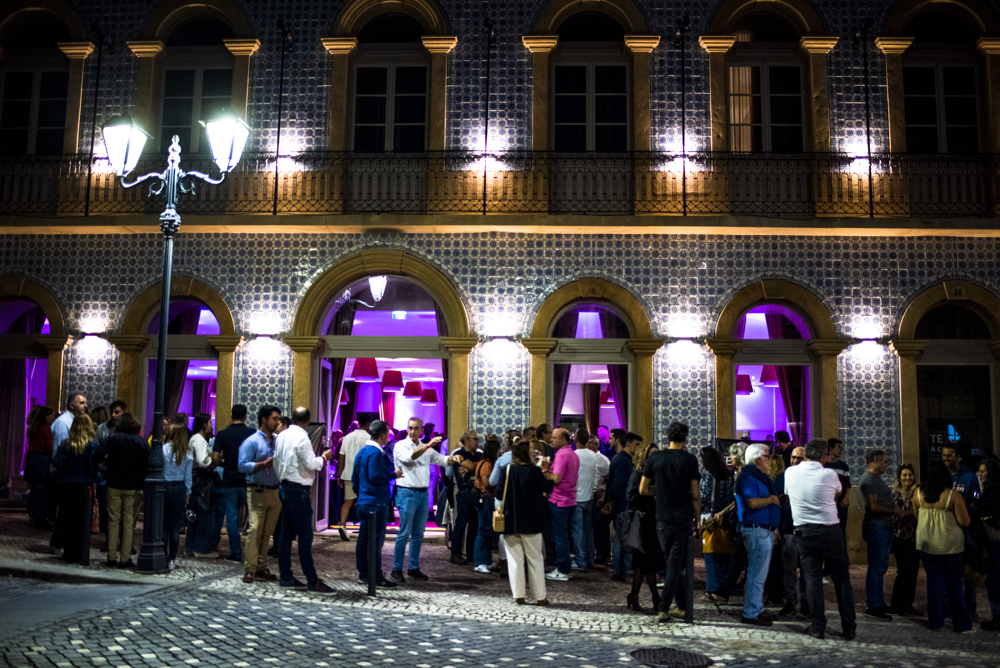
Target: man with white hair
<point>759,513</point>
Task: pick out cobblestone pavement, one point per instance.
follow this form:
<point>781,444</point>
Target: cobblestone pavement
<point>456,619</point>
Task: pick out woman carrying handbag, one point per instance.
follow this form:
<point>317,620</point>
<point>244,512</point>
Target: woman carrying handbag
<point>647,561</point>
<point>523,505</point>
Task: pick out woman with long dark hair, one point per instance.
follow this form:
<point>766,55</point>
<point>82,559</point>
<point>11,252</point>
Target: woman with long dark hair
<point>36,466</point>
<point>483,552</point>
<point>76,479</point>
<point>986,517</point>
<point>717,494</point>
<point>649,562</point>
<point>904,545</point>
<point>524,502</point>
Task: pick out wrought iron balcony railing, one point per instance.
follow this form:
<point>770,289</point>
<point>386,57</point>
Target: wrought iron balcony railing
<point>639,183</point>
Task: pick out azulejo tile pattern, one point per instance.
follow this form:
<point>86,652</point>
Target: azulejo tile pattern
<point>683,281</point>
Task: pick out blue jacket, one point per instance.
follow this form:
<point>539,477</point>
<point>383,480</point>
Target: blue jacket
<point>74,468</point>
<point>372,473</point>
<point>753,484</point>
<point>965,481</point>
<point>617,482</point>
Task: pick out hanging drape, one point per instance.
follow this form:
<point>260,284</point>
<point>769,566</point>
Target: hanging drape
<point>592,406</point>
<point>565,329</point>
<point>14,407</point>
<point>791,382</point>
<point>387,407</point>
<point>350,409</point>
<point>184,323</point>
<point>442,330</point>
<point>343,325</point>
<point>200,389</point>
<point>612,327</point>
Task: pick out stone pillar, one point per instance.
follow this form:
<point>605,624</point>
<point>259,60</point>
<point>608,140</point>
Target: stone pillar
<point>725,385</point>
<point>303,381</point>
<point>644,349</point>
<point>340,49</point>
<point>56,344</point>
<point>540,46</point>
<point>77,53</point>
<point>909,430</point>
<point>225,346</point>
<point>717,46</point>
<point>990,48</point>
<point>439,48</point>
<point>819,90</point>
<point>458,385</point>
<point>538,396</point>
<point>641,46</point>
<point>893,48</point>
<point>241,49</point>
<point>132,371</point>
<point>145,86</point>
<point>827,420</point>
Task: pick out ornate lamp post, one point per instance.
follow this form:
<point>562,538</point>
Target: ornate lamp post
<point>124,140</point>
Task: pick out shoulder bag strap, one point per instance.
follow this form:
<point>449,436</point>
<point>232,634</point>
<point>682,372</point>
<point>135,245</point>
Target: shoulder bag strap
<point>506,479</point>
<point>948,502</point>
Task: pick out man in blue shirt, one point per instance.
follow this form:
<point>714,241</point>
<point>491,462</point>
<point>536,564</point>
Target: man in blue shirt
<point>370,480</point>
<point>77,405</point>
<point>965,482</point>
<point>257,463</point>
<point>759,511</point>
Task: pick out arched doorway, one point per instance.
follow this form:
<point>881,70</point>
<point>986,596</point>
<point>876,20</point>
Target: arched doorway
<point>200,352</point>
<point>588,331</point>
<point>32,339</point>
<point>949,348</point>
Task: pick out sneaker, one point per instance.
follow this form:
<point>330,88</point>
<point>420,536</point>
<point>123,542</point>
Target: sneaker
<point>482,569</point>
<point>878,613</point>
<point>382,583</point>
<point>458,559</point>
<point>558,576</point>
<point>971,630</point>
<point>172,565</point>
<point>494,567</point>
<point>235,557</point>
<point>786,611</point>
<point>292,584</point>
<point>397,576</point>
<point>320,587</point>
<point>343,535</point>
<point>663,618</point>
<point>127,565</point>
<point>417,575</point>
<point>579,568</point>
<point>206,555</point>
<point>759,620</point>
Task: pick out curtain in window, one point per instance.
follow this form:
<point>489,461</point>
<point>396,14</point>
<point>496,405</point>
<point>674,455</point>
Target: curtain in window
<point>13,388</point>
<point>343,325</point>
<point>387,407</point>
<point>442,330</point>
<point>612,328</point>
<point>565,329</point>
<point>792,383</point>
<point>184,323</point>
<point>592,406</point>
<point>350,409</point>
<point>200,389</point>
<point>744,95</point>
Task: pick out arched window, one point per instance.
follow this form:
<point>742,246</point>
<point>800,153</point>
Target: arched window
<point>390,83</point>
<point>765,86</point>
<point>941,85</point>
<point>197,81</point>
<point>35,87</point>
<point>591,100</point>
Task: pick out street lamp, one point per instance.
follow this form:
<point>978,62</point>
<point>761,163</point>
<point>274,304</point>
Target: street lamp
<point>124,141</point>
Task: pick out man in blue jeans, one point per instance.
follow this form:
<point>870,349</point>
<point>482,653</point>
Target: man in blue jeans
<point>296,464</point>
<point>370,479</point>
<point>563,471</point>
<point>234,483</point>
<point>759,511</point>
<point>617,483</point>
<point>877,531</point>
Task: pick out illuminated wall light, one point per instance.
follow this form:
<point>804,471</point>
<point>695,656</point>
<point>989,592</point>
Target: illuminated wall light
<point>500,350</point>
<point>92,345</point>
<point>377,286</point>
<point>678,163</point>
<point>266,323</point>
<point>866,329</point>
<point>500,324</point>
<point>263,347</point>
<point>684,351</point>
<point>93,324</point>
<point>857,149</point>
<point>497,144</point>
<point>683,325</point>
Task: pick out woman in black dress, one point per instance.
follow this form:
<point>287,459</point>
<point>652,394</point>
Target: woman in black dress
<point>649,562</point>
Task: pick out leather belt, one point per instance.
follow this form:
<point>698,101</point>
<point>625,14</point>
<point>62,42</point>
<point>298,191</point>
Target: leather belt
<point>754,525</point>
<point>415,489</point>
<point>261,488</point>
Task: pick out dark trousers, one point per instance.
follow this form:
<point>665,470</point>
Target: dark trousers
<point>466,525</point>
<point>102,507</point>
<point>548,541</point>
<point>673,541</point>
<point>904,588</point>
<point>361,549</point>
<point>945,585</point>
<point>602,533</point>
<point>819,543</point>
<point>737,564</point>
<point>73,522</point>
<point>296,519</point>
<point>174,503</point>
<point>199,535</point>
<point>36,472</point>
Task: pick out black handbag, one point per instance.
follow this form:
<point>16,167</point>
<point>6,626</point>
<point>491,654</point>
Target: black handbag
<point>632,540</point>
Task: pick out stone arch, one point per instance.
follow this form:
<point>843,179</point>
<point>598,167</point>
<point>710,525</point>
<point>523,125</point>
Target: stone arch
<point>357,13</point>
<point>168,15</point>
<point>16,10</point>
<point>777,291</point>
<point>799,13</point>
<point>147,304</point>
<point>976,13</point>
<point>983,301</point>
<point>624,11</point>
<point>596,289</point>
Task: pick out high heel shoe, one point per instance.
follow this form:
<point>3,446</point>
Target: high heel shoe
<point>632,602</point>
<point>656,604</point>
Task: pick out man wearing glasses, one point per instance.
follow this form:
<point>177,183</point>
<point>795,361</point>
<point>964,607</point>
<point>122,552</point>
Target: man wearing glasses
<point>759,511</point>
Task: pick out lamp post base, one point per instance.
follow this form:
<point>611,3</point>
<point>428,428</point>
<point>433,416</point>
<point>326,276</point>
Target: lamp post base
<point>153,554</point>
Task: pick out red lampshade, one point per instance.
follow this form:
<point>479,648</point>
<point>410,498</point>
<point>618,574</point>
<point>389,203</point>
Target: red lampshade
<point>365,370</point>
<point>413,390</point>
<point>392,381</point>
<point>344,397</point>
<point>603,400</point>
<point>429,398</point>
<point>608,397</point>
<point>769,376</point>
<point>743,384</point>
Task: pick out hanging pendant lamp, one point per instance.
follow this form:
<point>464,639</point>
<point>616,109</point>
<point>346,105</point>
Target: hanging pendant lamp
<point>365,370</point>
<point>344,397</point>
<point>413,390</point>
<point>392,381</point>
<point>429,398</point>
<point>769,376</point>
<point>743,384</point>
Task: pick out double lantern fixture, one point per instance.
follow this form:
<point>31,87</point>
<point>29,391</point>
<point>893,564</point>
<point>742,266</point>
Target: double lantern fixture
<point>366,371</point>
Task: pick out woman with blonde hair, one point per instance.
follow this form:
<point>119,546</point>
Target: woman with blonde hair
<point>178,462</point>
<point>72,460</point>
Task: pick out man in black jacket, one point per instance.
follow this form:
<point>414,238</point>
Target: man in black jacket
<point>617,483</point>
<point>127,459</point>
<point>466,509</point>
<point>234,483</point>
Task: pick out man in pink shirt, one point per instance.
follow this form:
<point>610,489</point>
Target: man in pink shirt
<point>563,471</point>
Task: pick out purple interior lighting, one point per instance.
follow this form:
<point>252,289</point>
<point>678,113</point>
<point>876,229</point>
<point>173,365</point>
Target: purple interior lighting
<point>208,324</point>
<point>755,322</point>
<point>382,323</point>
<point>588,325</point>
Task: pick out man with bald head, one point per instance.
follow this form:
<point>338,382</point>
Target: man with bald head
<point>563,470</point>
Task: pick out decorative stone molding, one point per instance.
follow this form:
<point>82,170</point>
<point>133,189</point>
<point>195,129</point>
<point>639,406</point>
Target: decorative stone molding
<point>539,346</point>
<point>828,348</point>
<point>642,43</point>
<point>439,43</point>
<point>225,343</point>
<point>724,347</point>
<point>893,46</point>
<point>306,345</point>
<point>146,49</point>
<point>717,43</point>
<point>129,343</point>
<point>989,45</point>
<point>909,348</point>
<point>74,50</point>
<point>459,345</point>
<point>818,45</point>
<point>644,347</point>
<point>339,46</point>
<point>242,47</point>
<point>540,43</point>
<point>54,342</point>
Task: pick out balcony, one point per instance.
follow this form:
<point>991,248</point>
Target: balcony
<point>526,182</point>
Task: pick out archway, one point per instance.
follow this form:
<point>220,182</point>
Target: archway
<point>202,331</point>
<point>551,344</point>
<point>949,337</point>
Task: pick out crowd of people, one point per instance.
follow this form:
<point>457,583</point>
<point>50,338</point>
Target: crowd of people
<point>547,501</point>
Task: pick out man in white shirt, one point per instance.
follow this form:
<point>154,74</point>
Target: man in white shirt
<point>77,405</point>
<point>349,449</point>
<point>414,459</point>
<point>812,491</point>
<point>593,467</point>
<point>296,464</point>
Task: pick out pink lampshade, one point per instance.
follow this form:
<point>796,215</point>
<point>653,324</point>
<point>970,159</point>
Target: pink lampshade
<point>429,398</point>
<point>769,376</point>
<point>344,397</point>
<point>608,397</point>
<point>743,384</point>
<point>603,400</point>
<point>365,370</point>
<point>413,390</point>
<point>392,381</point>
